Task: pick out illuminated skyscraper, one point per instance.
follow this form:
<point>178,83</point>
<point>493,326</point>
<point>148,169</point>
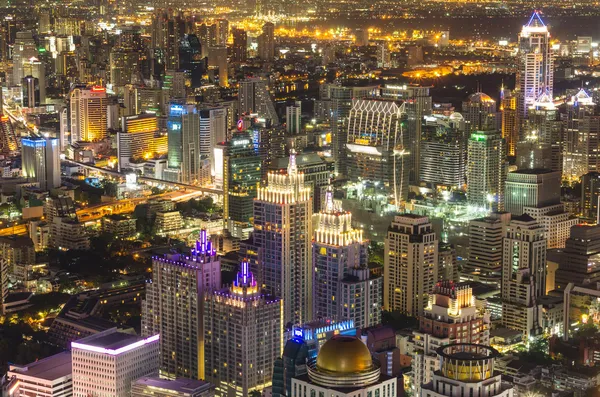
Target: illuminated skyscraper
<point>183,128</point>
<point>243,332</point>
<point>486,170</point>
<point>174,307</point>
<point>217,59</point>
<point>41,161</point>
<point>88,113</point>
<point>254,97</point>
<point>410,264</point>
<point>266,42</point>
<point>31,92</point>
<point>23,50</point>
<point>213,130</point>
<point>240,46</point>
<point>480,111</point>
<point>535,74</point>
<point>343,288</point>
<point>293,119</point>
<point>510,122</point>
<point>282,236</point>
<point>136,140</point>
<point>222,32</point>
<point>523,274</point>
<point>376,145</point>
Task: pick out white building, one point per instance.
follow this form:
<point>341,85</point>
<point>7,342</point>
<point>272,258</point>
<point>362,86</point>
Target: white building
<point>410,264</point>
<point>106,363</point>
<point>293,125</point>
<point>49,377</point>
<point>41,161</point>
<point>486,170</point>
<point>88,113</point>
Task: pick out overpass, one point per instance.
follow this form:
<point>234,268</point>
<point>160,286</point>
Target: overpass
<point>151,181</point>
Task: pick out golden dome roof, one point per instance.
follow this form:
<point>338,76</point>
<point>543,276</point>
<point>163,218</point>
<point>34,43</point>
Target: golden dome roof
<point>344,354</point>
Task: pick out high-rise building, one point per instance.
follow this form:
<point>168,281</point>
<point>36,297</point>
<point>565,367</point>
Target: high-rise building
<point>467,370</point>
<point>183,129</point>
<point>180,387</point>
<point>450,317</point>
<point>30,87</point>
<point>243,330</point>
<point>88,110</point>
<point>217,59</point>
<point>49,377</point>
<point>486,170</point>
<point>590,196</point>
<point>174,307</point>
<point>41,161</point>
<point>344,367</point>
<point>293,118</point>
<point>174,83</point>
<point>410,264</point>
<point>240,46</point>
<point>266,42</point>
<point>213,130</point>
<point>254,97</point>
<point>239,167</point>
<point>23,50</point>
<point>222,31</point>
<point>480,111</point>
<point>443,152</point>
<point>532,154</point>
<point>485,248</point>
<point>107,362</point>
<point>510,122</point>
<point>543,124</point>
<point>376,148</point>
<point>340,257</point>
<point>579,261</point>
<point>535,74</point>
<point>523,274</point>
<point>417,103</point>
<point>282,235</point>
<point>136,140</point>
<point>531,188</point>
<point>384,59</point>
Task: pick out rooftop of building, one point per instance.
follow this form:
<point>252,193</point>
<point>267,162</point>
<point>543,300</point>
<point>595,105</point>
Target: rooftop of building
<point>534,171</point>
<point>17,297</point>
<point>50,368</point>
<point>523,218</point>
<point>111,339</point>
<point>179,385</point>
<point>302,160</point>
<point>17,241</point>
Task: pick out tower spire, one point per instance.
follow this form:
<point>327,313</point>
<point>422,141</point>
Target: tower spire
<point>292,166</point>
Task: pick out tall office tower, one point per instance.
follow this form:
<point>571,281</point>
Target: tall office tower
<point>485,248</point>
<point>125,66</point>
<point>341,102</point>
<point>222,31</point>
<point>174,84</point>
<point>544,125</point>
<point>535,73</point>
<point>181,387</point>
<point>523,274</point>
<point>467,370</point>
<point>34,68</point>
<point>590,197</point>
<point>190,59</point>
<point>451,317</point>
<point>480,111</point>
<point>217,60</point>
<point>183,129</point>
<point>417,103</point>
<point>410,264</point>
<point>486,170</point>
<point>266,42</point>
<point>254,97</point>
<point>284,252</point>
<point>213,130</point>
<point>384,59</point>
<point>41,161</point>
<point>136,140</point>
<point>106,363</point>
<point>243,329</point>
<point>531,188</point>
<point>443,152</point>
<point>376,147</point>
<point>532,154</point>
<point>23,50</point>
<point>240,46</point>
<point>88,113</point>
<point>582,136</point>
<point>293,118</point>
<point>510,122</point>
<point>240,173</point>
<point>339,254</point>
<point>174,307</point>
<point>578,261</point>
<point>344,367</point>
<point>30,88</point>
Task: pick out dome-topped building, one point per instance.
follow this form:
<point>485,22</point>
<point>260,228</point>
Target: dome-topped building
<point>344,367</point>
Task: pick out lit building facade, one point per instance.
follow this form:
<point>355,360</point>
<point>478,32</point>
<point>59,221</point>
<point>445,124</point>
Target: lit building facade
<point>343,286</point>
<point>88,107</point>
<point>376,145</point>
<point>282,237</point>
<point>243,331</point>
<point>136,138</point>
<point>48,377</point>
<point>531,188</point>
<point>176,293</point>
<point>106,363</point>
<point>486,170</point>
<point>410,264</point>
<point>41,161</point>
<point>254,97</point>
<point>183,129</point>
<point>480,111</point>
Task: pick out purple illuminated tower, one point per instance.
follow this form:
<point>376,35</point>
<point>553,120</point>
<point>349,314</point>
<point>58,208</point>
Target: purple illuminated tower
<point>243,329</point>
<point>173,307</point>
